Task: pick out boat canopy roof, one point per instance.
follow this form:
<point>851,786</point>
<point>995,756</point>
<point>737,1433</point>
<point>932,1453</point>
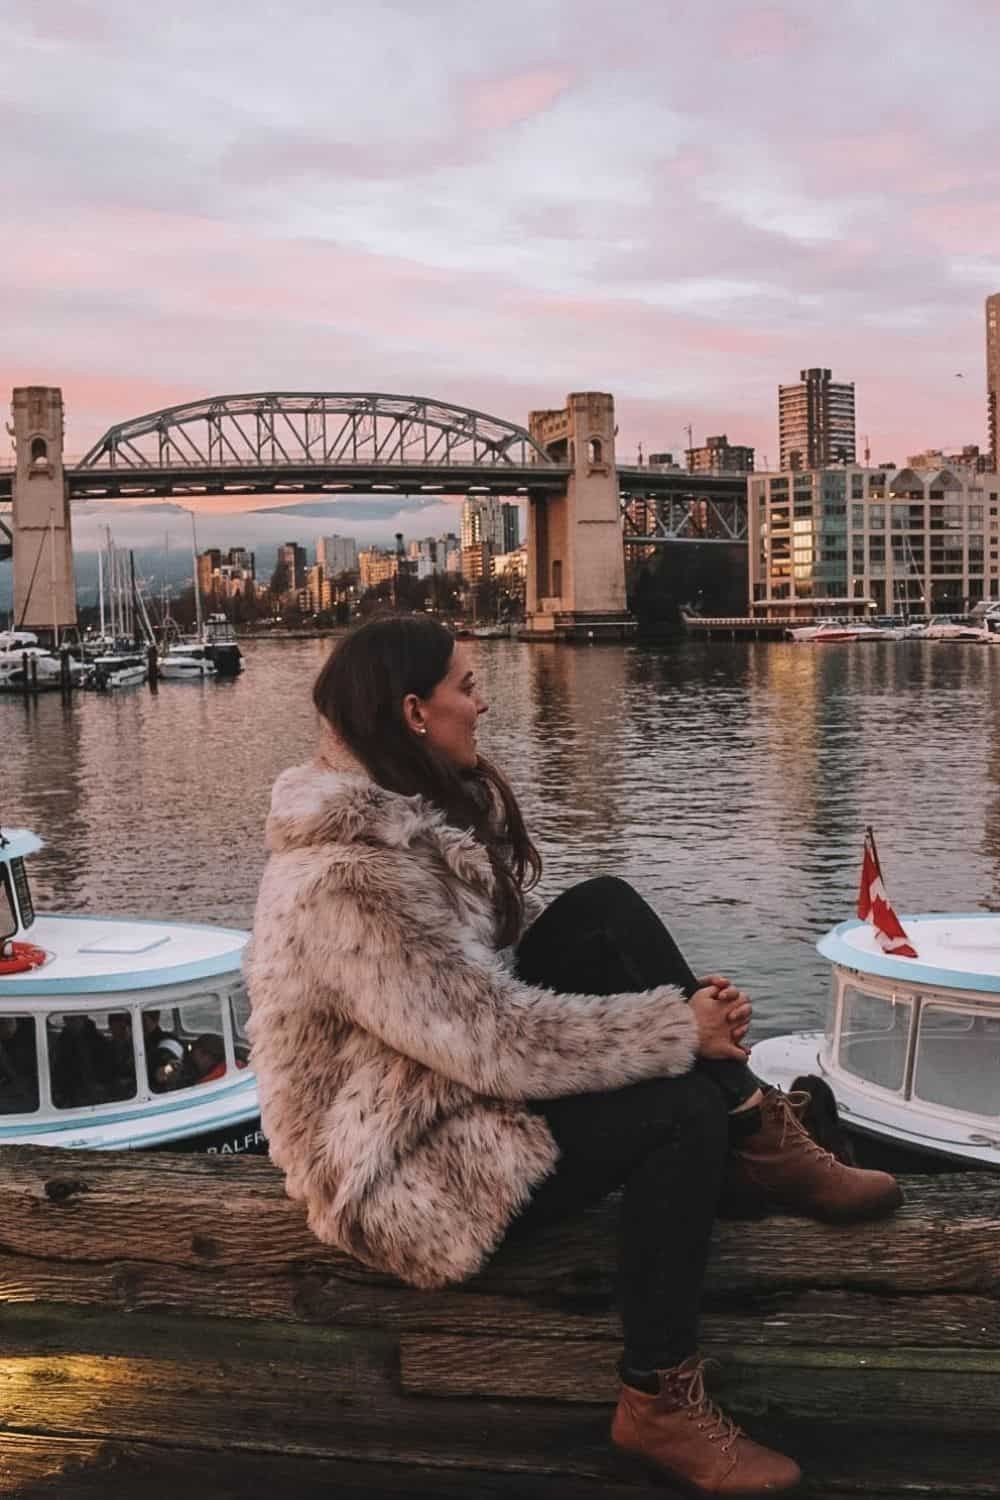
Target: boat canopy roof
<point>91,956</point>
<point>15,843</point>
<point>958,951</point>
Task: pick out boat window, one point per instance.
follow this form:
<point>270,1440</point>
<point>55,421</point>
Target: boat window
<point>239,1004</point>
<point>22,891</point>
<point>18,1065</point>
<point>185,1044</point>
<point>91,1057</point>
<point>874,1034</point>
<point>958,1060</point>
<point>8,915</point>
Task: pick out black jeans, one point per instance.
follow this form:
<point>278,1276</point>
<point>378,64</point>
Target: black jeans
<point>663,1140</point>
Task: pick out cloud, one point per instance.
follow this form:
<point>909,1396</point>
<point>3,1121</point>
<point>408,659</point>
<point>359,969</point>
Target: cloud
<point>683,205</point>
<point>499,103</point>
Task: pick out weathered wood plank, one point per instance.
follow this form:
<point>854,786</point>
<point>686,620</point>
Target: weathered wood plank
<point>323,1297</point>
<point>954,1387</point>
<point>563,1453</point>
<point>93,1206</point>
<point>47,1468</point>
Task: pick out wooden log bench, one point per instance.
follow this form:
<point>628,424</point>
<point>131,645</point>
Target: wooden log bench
<point>169,1326</point>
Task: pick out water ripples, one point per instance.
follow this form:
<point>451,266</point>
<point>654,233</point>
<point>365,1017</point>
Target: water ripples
<point>730,783</point>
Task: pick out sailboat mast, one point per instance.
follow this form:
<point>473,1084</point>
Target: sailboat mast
<point>52,578</point>
<point>100,587</point>
<point>197,590</point>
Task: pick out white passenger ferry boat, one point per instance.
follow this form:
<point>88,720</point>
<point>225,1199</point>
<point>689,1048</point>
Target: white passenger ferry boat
<point>911,1048</point>
<point>117,1033</point>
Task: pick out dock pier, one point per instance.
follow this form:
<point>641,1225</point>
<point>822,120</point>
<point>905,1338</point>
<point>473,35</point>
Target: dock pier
<point>736,628</point>
<point>170,1325</point>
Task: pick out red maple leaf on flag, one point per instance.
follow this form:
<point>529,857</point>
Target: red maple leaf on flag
<point>875,907</point>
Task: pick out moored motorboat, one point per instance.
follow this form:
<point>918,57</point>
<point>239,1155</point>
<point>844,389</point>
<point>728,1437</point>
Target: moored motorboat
<point>911,1047</point>
<point>119,669</point>
<point>824,631</point>
<point>29,665</point>
<point>953,628</point>
<point>189,660</point>
<point>119,1033</point>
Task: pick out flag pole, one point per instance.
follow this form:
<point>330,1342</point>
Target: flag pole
<point>869,830</point>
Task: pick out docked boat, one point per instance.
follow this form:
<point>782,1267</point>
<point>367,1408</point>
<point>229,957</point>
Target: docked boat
<point>24,665</point>
<point>823,631</point>
<point>491,632</point>
<point>190,660</point>
<point>953,628</point>
<point>118,669</point>
<point>119,1033</point>
<point>911,1047</point>
<point>222,646</point>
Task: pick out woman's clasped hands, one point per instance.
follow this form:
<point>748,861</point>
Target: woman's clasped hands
<point>723,1014</point>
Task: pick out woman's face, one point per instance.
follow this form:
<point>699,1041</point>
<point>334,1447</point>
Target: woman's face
<point>450,716</point>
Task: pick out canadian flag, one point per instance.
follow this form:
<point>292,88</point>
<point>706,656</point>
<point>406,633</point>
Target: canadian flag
<point>875,907</point>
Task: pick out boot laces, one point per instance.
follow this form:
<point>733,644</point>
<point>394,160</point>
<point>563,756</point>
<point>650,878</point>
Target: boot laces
<point>690,1381</point>
<point>792,1126</point>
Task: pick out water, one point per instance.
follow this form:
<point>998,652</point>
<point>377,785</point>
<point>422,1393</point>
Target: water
<point>730,783</point>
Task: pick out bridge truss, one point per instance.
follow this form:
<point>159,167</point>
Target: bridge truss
<point>680,507</point>
<point>325,430</point>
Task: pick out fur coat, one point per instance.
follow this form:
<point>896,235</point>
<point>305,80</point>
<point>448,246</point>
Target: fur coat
<point>393,1047</point>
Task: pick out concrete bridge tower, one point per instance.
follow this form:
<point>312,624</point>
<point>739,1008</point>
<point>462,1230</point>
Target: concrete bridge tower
<point>44,587</point>
<point>576,560</point>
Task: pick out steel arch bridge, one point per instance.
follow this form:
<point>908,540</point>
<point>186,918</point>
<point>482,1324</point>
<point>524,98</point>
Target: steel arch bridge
<point>328,430</point>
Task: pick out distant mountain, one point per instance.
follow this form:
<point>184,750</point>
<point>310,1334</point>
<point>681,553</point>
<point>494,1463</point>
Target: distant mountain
<point>347,509</point>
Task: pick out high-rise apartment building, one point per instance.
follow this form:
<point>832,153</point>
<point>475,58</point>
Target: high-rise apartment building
<point>208,564</point>
<point>294,558</point>
<point>491,523</point>
<point>337,554</point>
<point>510,516</point>
<point>816,421</point>
<point>993,375</point>
<point>719,456</point>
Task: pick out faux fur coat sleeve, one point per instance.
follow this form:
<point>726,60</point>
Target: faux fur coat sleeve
<point>447,1001</point>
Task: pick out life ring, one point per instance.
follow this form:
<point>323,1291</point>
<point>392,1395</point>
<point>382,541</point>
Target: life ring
<point>18,958</point>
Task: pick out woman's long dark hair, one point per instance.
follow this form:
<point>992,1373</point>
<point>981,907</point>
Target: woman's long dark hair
<point>360,693</point>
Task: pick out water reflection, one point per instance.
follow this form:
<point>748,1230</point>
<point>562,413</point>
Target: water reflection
<point>730,783</point>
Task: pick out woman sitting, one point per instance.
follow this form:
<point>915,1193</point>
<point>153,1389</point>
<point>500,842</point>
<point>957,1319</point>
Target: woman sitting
<point>429,1094</point>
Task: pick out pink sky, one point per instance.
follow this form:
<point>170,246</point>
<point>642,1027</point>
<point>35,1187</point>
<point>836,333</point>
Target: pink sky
<point>497,205</point>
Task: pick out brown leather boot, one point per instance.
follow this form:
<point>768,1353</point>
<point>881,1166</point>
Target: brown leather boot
<point>681,1433</point>
<point>781,1164</point>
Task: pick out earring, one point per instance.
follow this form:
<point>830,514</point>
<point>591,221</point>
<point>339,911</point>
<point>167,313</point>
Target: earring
<point>421,730</point>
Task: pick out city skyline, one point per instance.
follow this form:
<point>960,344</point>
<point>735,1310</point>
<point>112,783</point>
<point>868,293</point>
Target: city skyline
<point>546,200</point>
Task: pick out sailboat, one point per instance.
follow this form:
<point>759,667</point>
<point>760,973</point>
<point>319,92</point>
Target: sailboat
<point>122,663</point>
<point>190,660</point>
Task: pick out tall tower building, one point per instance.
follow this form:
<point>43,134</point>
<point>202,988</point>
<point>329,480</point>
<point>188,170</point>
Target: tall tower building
<point>993,375</point>
<point>816,422</point>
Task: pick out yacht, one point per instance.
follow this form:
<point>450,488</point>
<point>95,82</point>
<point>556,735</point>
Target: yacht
<point>117,669</point>
<point>28,664</point>
<point>822,631</point>
<point>190,660</point>
<point>119,1033</point>
<point>911,1047</point>
<point>952,628</point>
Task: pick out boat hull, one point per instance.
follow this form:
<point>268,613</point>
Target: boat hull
<point>246,1139</point>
